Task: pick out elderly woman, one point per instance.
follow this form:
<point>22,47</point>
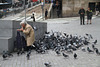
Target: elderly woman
<point>29,34</point>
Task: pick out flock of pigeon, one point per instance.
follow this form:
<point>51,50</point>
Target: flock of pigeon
<point>61,43</point>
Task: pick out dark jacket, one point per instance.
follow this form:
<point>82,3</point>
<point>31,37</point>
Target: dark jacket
<point>81,11</point>
<point>46,13</point>
<point>89,13</point>
<point>20,41</point>
<point>33,17</point>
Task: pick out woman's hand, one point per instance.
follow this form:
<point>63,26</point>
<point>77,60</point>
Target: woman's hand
<point>20,29</point>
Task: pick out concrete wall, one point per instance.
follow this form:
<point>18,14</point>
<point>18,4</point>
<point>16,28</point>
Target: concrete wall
<point>8,30</point>
<point>71,7</point>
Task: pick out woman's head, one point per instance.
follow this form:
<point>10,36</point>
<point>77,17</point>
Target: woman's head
<point>23,23</point>
<point>88,8</point>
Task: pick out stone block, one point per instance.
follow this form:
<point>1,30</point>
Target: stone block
<point>6,24</point>
<point>5,32</point>
<point>6,44</point>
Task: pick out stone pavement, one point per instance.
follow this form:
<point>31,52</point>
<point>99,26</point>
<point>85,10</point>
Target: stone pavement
<point>70,26</point>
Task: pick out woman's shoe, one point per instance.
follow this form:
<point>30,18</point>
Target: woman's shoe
<point>87,23</point>
<point>90,23</point>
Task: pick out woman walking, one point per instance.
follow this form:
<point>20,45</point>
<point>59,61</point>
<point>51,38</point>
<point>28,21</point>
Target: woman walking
<point>89,15</point>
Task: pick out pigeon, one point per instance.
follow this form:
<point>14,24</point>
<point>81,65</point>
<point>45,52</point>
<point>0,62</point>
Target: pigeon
<point>69,51</point>
<point>47,32</point>
<point>86,42</point>
<point>47,64</point>
<point>57,52</point>
<point>4,55</point>
<point>95,42</point>
<point>94,47</point>
<point>89,50</point>
<point>87,34</point>
<point>65,34</point>
<point>83,49</point>
<point>65,55</point>
<point>74,49</point>
<point>75,56</point>
<point>18,52</point>
<point>97,52</point>
<point>9,54</point>
<point>91,36</point>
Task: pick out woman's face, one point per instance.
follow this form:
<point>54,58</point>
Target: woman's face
<point>23,25</point>
<point>88,8</point>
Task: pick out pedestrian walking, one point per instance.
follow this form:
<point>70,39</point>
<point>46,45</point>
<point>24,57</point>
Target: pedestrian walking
<point>82,16</point>
<point>46,14</point>
<point>33,16</point>
<point>89,15</point>
<point>29,34</point>
<point>97,9</point>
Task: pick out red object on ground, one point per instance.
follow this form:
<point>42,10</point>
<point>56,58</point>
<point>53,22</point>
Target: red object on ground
<point>34,0</point>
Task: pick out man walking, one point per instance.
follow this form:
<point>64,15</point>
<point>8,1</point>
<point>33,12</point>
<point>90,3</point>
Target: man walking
<point>82,15</point>
<point>33,16</point>
<point>46,14</point>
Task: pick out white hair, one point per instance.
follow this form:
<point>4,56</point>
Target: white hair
<point>23,22</point>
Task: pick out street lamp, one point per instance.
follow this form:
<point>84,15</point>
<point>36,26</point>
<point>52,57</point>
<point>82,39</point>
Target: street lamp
<point>25,8</point>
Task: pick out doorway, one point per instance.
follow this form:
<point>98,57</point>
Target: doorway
<point>57,9</point>
<point>92,6</point>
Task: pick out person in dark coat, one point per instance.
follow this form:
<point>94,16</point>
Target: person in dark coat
<point>89,15</point>
<point>82,15</point>
<point>46,13</point>
<point>33,16</point>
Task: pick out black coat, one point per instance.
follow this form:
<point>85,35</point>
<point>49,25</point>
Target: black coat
<point>46,13</point>
<point>20,41</point>
<point>81,11</point>
<point>33,17</point>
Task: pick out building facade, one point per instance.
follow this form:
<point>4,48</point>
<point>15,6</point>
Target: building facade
<point>71,7</point>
